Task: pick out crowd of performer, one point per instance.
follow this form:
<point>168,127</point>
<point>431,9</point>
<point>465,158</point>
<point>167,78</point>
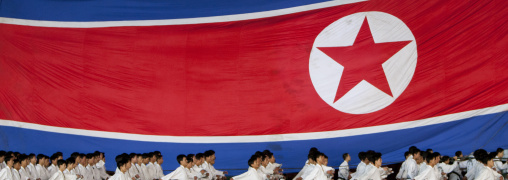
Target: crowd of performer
<point>419,165</point>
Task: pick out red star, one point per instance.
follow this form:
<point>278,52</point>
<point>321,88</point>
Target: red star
<point>363,61</point>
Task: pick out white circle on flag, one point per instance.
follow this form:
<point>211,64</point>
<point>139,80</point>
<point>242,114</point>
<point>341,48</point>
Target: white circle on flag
<point>363,98</point>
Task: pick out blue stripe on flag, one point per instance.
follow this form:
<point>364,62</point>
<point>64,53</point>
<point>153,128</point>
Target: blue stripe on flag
<point>116,10</point>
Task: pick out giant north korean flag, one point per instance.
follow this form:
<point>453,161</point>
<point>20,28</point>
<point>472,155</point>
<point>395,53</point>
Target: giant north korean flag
<point>241,76</point>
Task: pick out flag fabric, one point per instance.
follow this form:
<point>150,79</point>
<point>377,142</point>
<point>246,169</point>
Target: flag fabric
<point>243,76</point>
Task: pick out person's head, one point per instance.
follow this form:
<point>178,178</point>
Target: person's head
<point>415,152</point>
<point>151,157</point>
<point>23,159</point>
<point>486,159</point>
<point>91,159</point>
<point>430,151</point>
<point>458,154</point>
<point>312,157</point>
<point>190,162</point>
<point>259,156</point>
<point>264,160</point>
<point>376,160</point>
<point>271,157</point>
<point>406,154</point>
<point>368,156</point>
<point>319,158</point>
<point>134,158</point>
<point>60,155</point>
<point>140,159</point>
<point>16,164</point>
<point>346,157</point>
<point>430,159</point>
<point>182,160</point>
<point>253,162</point>
<point>9,160</point>
<point>157,153</point>
<point>83,159</point>
<point>41,159</point>
<point>32,158</point>
<point>146,158</point>
<point>200,157</point>
<point>54,158</point>
<point>500,152</point>
<point>424,155</point>
<point>445,159</point>
<point>210,156</point>
<point>61,164</point>
<point>71,163</point>
<point>361,156</point>
<point>46,163</point>
<point>438,156</point>
<point>2,156</point>
<point>325,160</point>
<point>122,165</point>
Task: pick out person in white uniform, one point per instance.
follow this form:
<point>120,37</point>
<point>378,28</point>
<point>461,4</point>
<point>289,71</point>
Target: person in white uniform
<point>31,167</point>
<point>208,166</point>
<point>428,172</point>
<point>402,169</point>
<point>411,165</point>
<point>120,173</point>
<point>498,164</point>
<point>59,175</point>
<point>252,173</point>
<point>343,173</point>
<point>159,173</point>
<point>373,169</point>
<point>134,170</point>
<point>178,173</point>
<point>40,167</point>
<point>484,170</point>
<point>6,172</point>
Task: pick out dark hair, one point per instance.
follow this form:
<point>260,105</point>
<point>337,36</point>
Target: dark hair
<point>361,155</point>
<point>121,163</point>
<point>479,153</point>
<point>180,157</point>
<point>199,155</point>
<point>499,150</point>
<point>90,156</point>
<point>189,159</point>
<point>122,157</point>
<point>190,155</point>
<point>429,150</point>
<point>8,158</point>
<point>2,153</point>
<point>344,156</point>
<point>133,155</point>
<point>485,157</point>
<point>369,154</point>
<point>429,157</point>
<point>252,159</point>
<point>145,155</point>
<point>312,156</point>
<point>22,157</point>
<point>74,155</point>
<point>158,157</point>
<point>445,158</point>
<point>374,157</point>
<point>313,149</point>
<point>16,161</point>
<point>424,155</point>
<point>414,151</point>
<point>32,155</point>
<point>59,154</point>
<point>209,153</point>
<point>406,154</point>
<point>70,160</point>
<point>458,153</point>
<point>54,157</point>
<point>157,153</point>
<point>60,162</point>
